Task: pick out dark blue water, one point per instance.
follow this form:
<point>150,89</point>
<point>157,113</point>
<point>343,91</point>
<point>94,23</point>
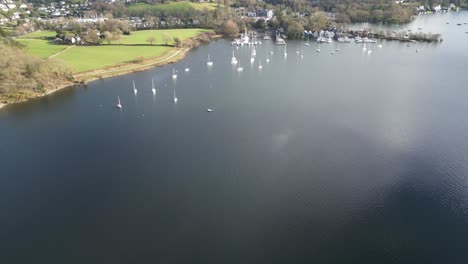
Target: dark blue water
<point>344,158</point>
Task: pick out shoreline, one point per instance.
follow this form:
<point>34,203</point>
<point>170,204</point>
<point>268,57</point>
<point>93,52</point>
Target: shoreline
<point>83,78</point>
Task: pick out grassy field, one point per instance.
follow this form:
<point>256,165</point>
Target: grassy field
<point>37,43</point>
<point>140,37</point>
<point>86,58</point>
<point>169,8</point>
<point>201,6</point>
<point>41,47</point>
<point>45,34</point>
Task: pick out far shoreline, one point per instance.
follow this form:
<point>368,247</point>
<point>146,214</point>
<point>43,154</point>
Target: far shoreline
<point>173,55</point>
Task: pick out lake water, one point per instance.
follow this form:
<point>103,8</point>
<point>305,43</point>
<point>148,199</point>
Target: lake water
<point>344,158</point>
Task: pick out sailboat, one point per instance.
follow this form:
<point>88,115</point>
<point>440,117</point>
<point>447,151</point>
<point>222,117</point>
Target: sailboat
<point>119,105</point>
<point>135,91</point>
<point>233,59</point>
<point>239,69</point>
<point>209,62</point>
<point>175,98</point>
<point>154,89</point>
<point>174,74</point>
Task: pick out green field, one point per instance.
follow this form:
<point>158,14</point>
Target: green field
<point>85,58</point>
<point>140,9</point>
<point>40,47</point>
<point>37,43</point>
<point>39,35</point>
<point>201,6</point>
<point>140,37</point>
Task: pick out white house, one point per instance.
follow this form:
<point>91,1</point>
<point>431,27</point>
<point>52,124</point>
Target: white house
<point>270,14</point>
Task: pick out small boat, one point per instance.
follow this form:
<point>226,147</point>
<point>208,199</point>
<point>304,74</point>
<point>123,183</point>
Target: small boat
<point>364,48</point>
<point>332,52</point>
<point>209,62</point>
<point>239,69</point>
<point>307,44</point>
<point>187,69</point>
<point>267,60</point>
<point>318,50</point>
<point>260,65</point>
<point>153,89</point>
<point>233,59</point>
<point>209,110</point>
<point>297,52</point>
<point>302,56</point>
<point>175,98</point>
<point>379,46</point>
<point>119,105</point>
<point>369,52</point>
<point>135,91</point>
<point>174,74</point>
<point>252,60</point>
<point>254,53</point>
<point>271,52</point>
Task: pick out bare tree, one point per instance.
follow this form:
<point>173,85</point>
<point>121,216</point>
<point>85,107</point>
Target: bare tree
<point>166,38</point>
<point>151,40</point>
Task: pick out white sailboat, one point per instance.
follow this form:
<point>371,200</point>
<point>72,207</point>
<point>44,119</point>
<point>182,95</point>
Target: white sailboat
<point>174,74</point>
<point>209,62</point>
<point>153,89</point>
<point>135,91</point>
<point>175,98</point>
<point>119,105</point>
<point>233,59</point>
<point>239,69</point>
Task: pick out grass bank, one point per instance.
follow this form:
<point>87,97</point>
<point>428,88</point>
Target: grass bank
<point>132,53</point>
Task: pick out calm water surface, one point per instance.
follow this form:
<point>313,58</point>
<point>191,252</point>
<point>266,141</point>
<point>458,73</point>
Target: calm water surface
<point>344,158</point>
